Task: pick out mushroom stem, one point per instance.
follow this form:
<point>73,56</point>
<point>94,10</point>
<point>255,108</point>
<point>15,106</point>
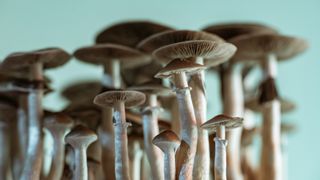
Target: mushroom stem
<point>4,153</point>
<point>247,165</point>
<point>271,165</point>
<point>284,144</point>
<point>188,122</point>
<point>150,130</point>
<point>220,161</point>
<point>121,142</point>
<point>175,117</point>
<point>233,105</point>
<point>202,159</point>
<point>270,66</point>
<point>135,159</point>
<point>111,78</point>
<point>169,165</point>
<point>81,170</point>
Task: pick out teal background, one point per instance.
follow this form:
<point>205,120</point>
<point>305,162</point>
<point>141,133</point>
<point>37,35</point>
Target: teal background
<point>28,25</point>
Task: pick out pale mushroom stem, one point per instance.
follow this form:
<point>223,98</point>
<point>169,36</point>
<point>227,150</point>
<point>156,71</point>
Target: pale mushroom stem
<point>169,165</point>
<point>111,78</point>
<point>150,130</point>
<point>121,142</point>
<point>271,130</point>
<point>33,161</point>
<point>247,163</point>
<point>233,105</point>
<point>57,164</point>
<point>188,123</point>
<point>81,171</point>
<point>135,160</point>
<point>175,117</point>
<point>4,152</point>
<point>202,159</point>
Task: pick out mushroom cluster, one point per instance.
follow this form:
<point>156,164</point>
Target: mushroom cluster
<point>146,118</point>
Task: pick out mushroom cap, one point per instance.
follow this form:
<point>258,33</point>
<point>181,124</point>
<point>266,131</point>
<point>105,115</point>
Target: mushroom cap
<point>105,53</point>
<point>153,88</point>
<point>58,120</point>
<point>128,97</point>
<point>287,127</point>
<point>80,136</point>
<point>83,89</point>
<point>228,31</point>
<point>130,33</point>
<point>158,40</point>
<point>213,52</point>
<point>49,57</point>
<point>85,114</point>
<point>257,47</point>
<point>285,104</point>
<point>222,120</point>
<point>167,139</point>
<point>178,66</point>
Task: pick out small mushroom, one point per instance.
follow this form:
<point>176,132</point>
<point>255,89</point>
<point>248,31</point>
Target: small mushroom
<point>80,138</point>
<point>220,124</point>
<point>168,142</point>
<point>119,100</point>
<point>58,125</point>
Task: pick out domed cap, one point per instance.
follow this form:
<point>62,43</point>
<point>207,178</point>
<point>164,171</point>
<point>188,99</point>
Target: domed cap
<point>285,104</point>
<point>104,53</point>
<point>86,114</point>
<point>80,136</point>
<point>259,46</point>
<point>178,66</point>
<point>49,57</point>
<point>222,120</point>
<point>228,31</point>
<point>213,52</point>
<point>166,140</point>
<point>130,33</point>
<point>110,98</point>
<point>58,120</point>
<point>170,37</point>
<point>82,89</point>
<point>153,88</point>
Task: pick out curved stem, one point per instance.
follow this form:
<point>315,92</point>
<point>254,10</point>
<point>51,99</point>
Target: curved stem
<point>202,159</point>
<point>81,171</point>
<point>169,165</point>
<point>233,105</point>
<point>150,130</point>
<point>188,123</point>
<point>121,143</point>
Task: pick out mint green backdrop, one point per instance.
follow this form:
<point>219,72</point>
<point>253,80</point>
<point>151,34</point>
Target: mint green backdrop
<point>27,25</point>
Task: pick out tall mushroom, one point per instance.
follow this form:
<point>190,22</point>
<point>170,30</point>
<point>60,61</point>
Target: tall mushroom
<point>177,70</point>
<point>168,142</point>
<point>119,100</point>
<point>80,138</point>
<point>220,124</point>
<point>150,112</point>
<point>58,125</point>
<point>35,61</point>
<point>268,49</point>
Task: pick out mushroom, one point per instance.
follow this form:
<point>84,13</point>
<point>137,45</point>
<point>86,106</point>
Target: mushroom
<point>202,48</point>
<point>150,113</point>
<point>268,49</point>
<point>168,142</point>
<point>58,125</point>
<point>177,70</point>
<point>35,61</point>
<point>7,115</point>
<point>80,138</point>
<point>220,124</point>
<point>119,100</point>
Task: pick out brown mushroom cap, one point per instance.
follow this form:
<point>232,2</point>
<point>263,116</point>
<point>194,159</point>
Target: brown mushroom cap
<point>286,105</point>
<point>153,88</point>
<point>80,135</point>
<point>158,40</point>
<point>105,53</point>
<point>86,114</point>
<point>130,33</point>
<point>213,52</point>
<point>110,98</point>
<point>178,66</point>
<point>85,89</point>
<point>166,139</point>
<point>58,120</point>
<point>49,57</point>
<point>228,31</point>
<point>222,120</point>
<point>258,46</point>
